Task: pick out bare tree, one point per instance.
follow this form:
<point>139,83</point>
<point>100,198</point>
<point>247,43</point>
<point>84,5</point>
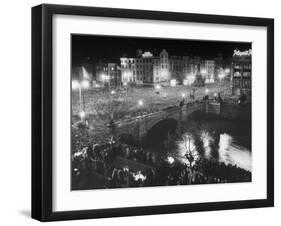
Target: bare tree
<point>191,154</point>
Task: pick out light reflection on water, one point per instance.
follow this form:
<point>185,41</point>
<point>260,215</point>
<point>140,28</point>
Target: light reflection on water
<point>228,151</point>
<point>233,153</point>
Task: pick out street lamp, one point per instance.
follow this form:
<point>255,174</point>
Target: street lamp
<point>140,103</point>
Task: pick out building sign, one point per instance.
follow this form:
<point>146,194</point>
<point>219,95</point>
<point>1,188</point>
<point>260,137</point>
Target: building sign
<point>239,53</point>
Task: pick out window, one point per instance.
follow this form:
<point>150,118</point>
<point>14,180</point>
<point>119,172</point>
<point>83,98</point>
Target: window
<point>237,74</point>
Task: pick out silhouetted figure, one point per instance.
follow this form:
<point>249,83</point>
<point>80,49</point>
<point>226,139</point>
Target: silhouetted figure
<point>219,98</point>
<point>206,97</point>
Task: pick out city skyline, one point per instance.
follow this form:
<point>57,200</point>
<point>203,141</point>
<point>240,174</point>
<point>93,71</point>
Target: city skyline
<point>95,48</point>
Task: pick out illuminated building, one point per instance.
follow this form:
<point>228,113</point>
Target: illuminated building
<point>145,68</point>
<point>208,70</point>
<point>176,68</point>
<point>108,74</point>
<point>241,72</point>
<point>219,65</point>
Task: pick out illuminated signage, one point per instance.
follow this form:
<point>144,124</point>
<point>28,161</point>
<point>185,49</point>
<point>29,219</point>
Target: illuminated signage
<point>242,53</point>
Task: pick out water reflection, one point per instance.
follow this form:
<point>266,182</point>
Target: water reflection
<point>234,154</point>
<point>224,141</point>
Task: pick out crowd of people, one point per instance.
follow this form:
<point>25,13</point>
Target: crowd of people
<point>124,165</point>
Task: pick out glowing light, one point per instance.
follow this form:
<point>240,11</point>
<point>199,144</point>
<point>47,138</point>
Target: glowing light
<point>242,53</point>
<point>140,103</point>
<point>75,84</point>
<point>125,83</point>
<point>82,114</point>
<point>105,77</point>
<point>187,145</point>
<point>170,160</point>
<point>173,82</point>
<point>85,73</point>
<point>215,94</point>
<point>97,85</point>
<point>206,140</point>
<point>227,70</point>
<point>204,71</point>
<point>157,86</point>
<point>183,95</point>
<point>147,54</point>
<point>189,79</point>
<point>85,84</point>
<point>139,176</point>
<point>112,92</point>
<point>221,76</point>
<point>206,91</point>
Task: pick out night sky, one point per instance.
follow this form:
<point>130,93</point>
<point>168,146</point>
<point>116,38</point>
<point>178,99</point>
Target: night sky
<point>94,48</point>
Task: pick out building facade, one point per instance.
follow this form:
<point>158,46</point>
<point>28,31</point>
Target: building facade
<point>241,72</point>
<point>145,68</point>
<point>208,70</point>
<point>108,74</point>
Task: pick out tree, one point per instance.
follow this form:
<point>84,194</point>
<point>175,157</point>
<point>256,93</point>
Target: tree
<point>190,151</point>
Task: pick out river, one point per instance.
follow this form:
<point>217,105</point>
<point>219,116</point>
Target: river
<point>226,141</point>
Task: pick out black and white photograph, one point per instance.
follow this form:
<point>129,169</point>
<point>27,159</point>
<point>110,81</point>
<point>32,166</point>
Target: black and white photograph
<point>151,112</point>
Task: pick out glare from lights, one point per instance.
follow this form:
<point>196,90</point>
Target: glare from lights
<point>173,82</point>
<point>190,78</point>
<point>227,70</point>
<point>215,94</point>
<point>140,103</point>
<point>204,71</point>
<point>221,76</point>
<point>170,160</point>
<point>82,114</point>
<point>125,84</point>
<point>157,86</point>
<point>105,77</point>
<point>206,91</point>
<point>139,176</point>
<point>85,84</point>
<point>185,82</point>
<point>75,84</point>
<point>112,92</point>
<point>183,95</point>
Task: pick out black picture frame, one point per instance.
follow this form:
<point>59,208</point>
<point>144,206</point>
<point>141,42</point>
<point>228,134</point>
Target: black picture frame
<point>42,107</point>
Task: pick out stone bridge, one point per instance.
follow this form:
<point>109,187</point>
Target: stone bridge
<point>139,127</point>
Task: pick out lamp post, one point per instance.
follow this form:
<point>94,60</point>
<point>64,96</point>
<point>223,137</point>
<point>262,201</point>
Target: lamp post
<point>221,76</point>
<point>81,85</point>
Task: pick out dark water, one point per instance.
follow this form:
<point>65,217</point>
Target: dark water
<point>222,140</point>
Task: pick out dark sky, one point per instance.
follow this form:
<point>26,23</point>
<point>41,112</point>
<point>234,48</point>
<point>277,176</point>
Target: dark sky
<point>92,48</point>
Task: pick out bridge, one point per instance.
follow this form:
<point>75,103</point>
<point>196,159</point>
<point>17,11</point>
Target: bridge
<point>140,126</point>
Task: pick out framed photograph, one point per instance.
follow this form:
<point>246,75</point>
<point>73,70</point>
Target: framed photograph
<point>145,112</point>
